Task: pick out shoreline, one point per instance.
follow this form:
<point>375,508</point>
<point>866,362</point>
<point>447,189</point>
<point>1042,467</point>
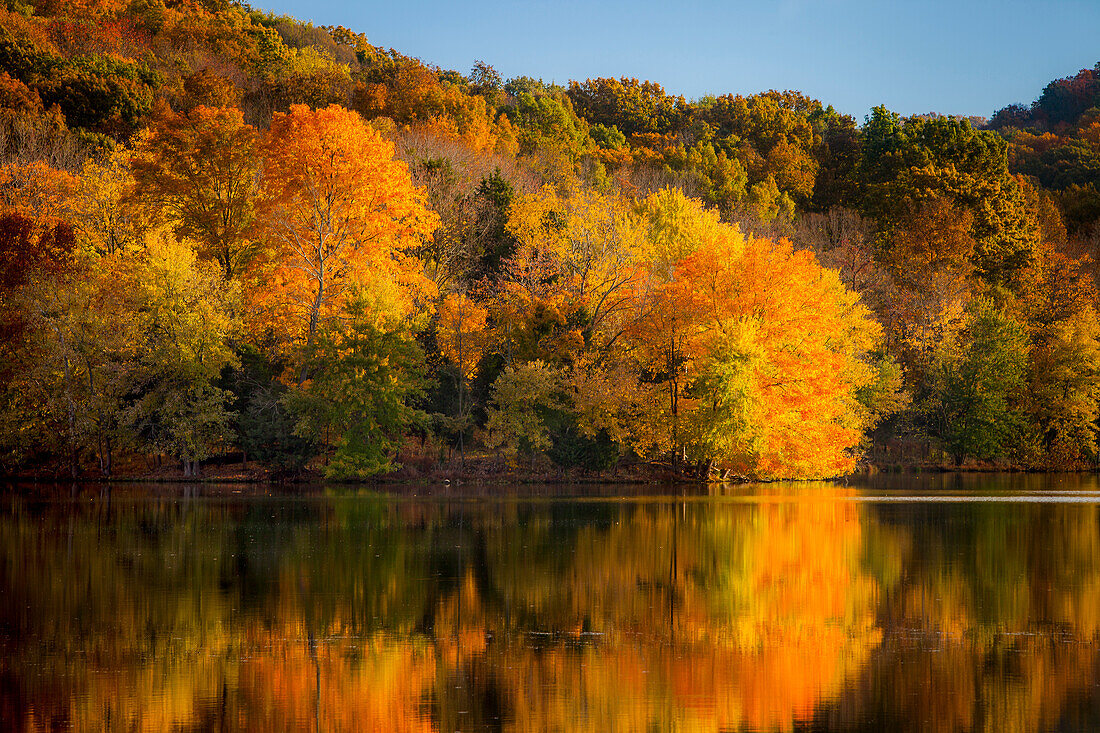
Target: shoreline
<point>471,476</point>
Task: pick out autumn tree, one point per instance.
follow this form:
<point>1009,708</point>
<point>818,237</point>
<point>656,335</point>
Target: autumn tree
<point>185,316</point>
<point>776,391</point>
<point>463,338</point>
<point>343,217</point>
<point>664,331</point>
<point>906,162</point>
<point>207,88</point>
<point>549,133</point>
<point>471,191</point>
<point>424,99</point>
<point>972,399</point>
<point>38,190</point>
<point>44,396</point>
<point>932,237</point>
<point>202,168</point>
<point>1065,390</point>
<point>31,248</point>
<point>519,412</point>
<point>109,221</point>
<point>358,399</point>
<point>772,135</point>
<point>577,255</point>
<point>78,360</point>
<point>748,362</point>
<point>1058,309</point>
<point>629,105</point>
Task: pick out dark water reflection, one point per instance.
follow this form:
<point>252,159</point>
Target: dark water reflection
<point>814,606</point>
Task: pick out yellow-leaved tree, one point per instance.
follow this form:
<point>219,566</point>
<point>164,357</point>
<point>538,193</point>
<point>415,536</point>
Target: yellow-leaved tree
<point>185,316</point>
<point>463,338</point>
<point>568,286</point>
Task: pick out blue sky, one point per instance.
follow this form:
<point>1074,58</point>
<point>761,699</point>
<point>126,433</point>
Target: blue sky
<point>968,57</point>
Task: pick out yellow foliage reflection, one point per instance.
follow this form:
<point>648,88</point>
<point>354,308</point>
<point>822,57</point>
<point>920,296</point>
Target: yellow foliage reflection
<point>793,607</point>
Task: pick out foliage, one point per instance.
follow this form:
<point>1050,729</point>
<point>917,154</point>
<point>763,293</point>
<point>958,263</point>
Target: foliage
<point>358,397</point>
<point>628,240</point>
<point>973,401</point>
<point>518,415</point>
<point>626,104</point>
<point>461,333</point>
<point>905,163</point>
<point>110,221</point>
<point>265,428</point>
<point>185,312</point>
<point>202,168</point>
<point>343,217</point>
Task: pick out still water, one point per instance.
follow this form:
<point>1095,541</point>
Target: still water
<point>931,604</point>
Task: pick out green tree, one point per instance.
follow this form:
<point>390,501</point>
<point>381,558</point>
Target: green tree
<point>265,427</point>
<point>523,399</point>
<point>973,400</point>
<point>360,397</point>
<point>906,162</point>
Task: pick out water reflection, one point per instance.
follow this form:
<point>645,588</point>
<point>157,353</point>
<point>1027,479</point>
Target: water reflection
<point>800,606</point>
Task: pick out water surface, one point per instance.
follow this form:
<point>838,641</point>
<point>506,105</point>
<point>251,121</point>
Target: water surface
<point>934,603</point>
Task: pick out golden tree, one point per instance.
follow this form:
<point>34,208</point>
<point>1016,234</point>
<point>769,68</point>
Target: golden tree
<point>343,216</point>
<point>202,169</point>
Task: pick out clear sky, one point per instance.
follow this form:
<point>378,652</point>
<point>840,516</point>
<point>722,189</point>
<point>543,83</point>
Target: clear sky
<point>967,57</point>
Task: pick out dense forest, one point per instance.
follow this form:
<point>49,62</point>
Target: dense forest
<point>227,235</point>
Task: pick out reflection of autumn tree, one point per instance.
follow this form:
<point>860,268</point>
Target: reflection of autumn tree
<point>799,606</point>
<point>364,613</point>
<point>148,631</point>
<point>771,612</point>
<point>129,602</point>
<point>744,616</point>
<point>996,621</point>
<point>763,614</point>
<point>374,684</point>
<point>337,650</point>
<point>1018,683</point>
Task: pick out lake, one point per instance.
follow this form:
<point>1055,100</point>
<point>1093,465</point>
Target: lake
<point>931,603</point>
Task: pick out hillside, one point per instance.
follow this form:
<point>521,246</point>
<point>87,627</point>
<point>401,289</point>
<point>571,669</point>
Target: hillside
<point>231,235</point>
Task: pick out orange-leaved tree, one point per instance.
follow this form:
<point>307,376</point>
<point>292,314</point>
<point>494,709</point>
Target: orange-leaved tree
<point>762,352</point>
<point>342,216</point>
<point>784,350</point>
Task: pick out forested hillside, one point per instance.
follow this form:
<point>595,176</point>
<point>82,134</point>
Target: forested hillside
<point>234,236</point>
